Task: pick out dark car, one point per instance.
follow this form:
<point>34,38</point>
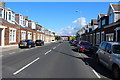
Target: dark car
<point>84,46</point>
<point>39,42</point>
<point>74,43</point>
<point>71,41</point>
<point>26,43</point>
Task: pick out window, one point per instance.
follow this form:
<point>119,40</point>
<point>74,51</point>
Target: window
<point>9,15</point>
<point>111,18</point>
<point>116,49</point>
<point>12,35</point>
<point>99,24</point>
<point>108,48</point>
<point>102,36</point>
<point>98,38</point>
<point>103,45</point>
<point>13,17</point>
<point>103,22</point>
<point>0,13</point>
<point>109,37</point>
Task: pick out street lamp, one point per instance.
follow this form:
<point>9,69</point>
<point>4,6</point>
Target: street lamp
<point>80,21</point>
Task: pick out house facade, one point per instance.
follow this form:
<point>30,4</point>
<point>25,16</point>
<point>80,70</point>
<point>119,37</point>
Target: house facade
<point>16,27</point>
<point>106,27</point>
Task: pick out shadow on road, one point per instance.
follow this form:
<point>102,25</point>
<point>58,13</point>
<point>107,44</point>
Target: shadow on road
<point>92,63</point>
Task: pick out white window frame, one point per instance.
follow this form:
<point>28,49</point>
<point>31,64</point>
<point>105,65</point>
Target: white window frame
<point>109,35</point>
<point>13,38</point>
<point>29,36</point>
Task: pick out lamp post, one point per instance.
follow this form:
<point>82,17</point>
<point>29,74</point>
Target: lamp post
<point>80,24</point>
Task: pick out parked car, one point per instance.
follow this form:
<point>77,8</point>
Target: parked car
<point>84,46</point>
<point>61,41</point>
<point>39,42</point>
<point>74,43</point>
<point>26,43</point>
<point>108,54</point>
<point>53,41</point>
<point>71,41</point>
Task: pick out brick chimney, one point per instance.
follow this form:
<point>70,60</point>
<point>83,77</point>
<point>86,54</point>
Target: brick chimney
<point>2,4</point>
<point>26,17</point>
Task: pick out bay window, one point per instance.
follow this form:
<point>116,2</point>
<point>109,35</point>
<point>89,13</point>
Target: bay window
<point>109,37</point>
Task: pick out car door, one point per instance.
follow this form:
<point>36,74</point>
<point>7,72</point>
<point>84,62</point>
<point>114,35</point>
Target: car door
<point>107,54</point>
<point>101,51</point>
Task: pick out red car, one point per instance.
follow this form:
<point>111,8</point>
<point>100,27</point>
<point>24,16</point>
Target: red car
<point>84,46</point>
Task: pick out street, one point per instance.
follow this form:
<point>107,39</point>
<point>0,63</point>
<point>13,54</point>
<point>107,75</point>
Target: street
<point>55,60</point>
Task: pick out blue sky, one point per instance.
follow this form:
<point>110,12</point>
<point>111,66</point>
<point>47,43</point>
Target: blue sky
<point>60,16</point>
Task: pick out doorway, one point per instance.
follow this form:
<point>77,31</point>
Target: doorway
<point>118,35</point>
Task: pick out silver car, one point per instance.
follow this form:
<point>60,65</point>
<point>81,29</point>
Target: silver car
<point>108,54</point>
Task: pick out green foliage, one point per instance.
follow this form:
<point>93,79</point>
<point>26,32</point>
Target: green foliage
<point>57,37</point>
<point>73,38</point>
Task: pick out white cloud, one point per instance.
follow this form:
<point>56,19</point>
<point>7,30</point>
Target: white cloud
<point>80,21</point>
<point>71,30</point>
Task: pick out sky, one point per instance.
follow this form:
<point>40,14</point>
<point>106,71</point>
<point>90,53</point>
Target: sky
<point>64,18</point>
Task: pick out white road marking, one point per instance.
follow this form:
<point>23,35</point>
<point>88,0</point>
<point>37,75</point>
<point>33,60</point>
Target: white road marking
<point>48,52</point>
<point>96,73</point>
<point>54,48</point>
<point>31,48</point>
<point>12,53</point>
<point>25,66</point>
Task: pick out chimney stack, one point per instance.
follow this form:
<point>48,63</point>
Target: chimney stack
<point>2,4</point>
<point>26,17</point>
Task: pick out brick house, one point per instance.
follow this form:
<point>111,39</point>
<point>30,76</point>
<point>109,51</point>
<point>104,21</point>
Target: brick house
<point>106,27</point>
<point>15,27</point>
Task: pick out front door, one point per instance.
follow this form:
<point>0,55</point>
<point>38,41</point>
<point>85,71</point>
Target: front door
<point>118,36</point>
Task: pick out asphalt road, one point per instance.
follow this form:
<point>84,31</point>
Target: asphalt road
<point>56,60</point>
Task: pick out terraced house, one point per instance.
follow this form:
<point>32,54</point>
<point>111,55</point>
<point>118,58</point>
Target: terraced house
<point>105,28</point>
<point>15,27</point>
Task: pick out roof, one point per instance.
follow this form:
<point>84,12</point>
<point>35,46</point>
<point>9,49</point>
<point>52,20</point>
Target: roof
<point>95,21</point>
<point>102,15</point>
<point>89,25</point>
<point>116,7</point>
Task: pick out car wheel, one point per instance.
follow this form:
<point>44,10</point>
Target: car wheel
<point>29,46</point>
<point>116,72</point>
<point>78,50</point>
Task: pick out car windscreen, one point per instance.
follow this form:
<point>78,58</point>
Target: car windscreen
<point>86,43</point>
<point>25,40</point>
<point>116,49</point>
<point>38,40</point>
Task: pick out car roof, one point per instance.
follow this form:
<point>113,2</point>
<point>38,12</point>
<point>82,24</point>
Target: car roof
<point>113,42</point>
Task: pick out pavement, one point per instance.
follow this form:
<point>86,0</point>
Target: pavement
<point>14,47</point>
<point>56,60</point>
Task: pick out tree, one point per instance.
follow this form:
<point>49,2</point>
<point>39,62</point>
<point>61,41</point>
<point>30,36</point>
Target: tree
<point>57,37</point>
